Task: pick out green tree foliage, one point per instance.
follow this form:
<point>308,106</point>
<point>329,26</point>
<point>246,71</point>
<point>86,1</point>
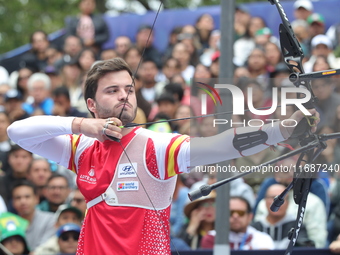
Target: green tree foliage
<point>20,18</point>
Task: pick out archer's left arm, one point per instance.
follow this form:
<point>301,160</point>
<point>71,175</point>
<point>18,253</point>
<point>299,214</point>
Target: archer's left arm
<point>237,142</point>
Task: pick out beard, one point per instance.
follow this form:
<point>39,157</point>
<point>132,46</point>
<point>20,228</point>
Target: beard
<point>124,114</point>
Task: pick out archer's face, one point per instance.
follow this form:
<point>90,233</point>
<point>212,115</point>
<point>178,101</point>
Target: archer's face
<point>113,89</point>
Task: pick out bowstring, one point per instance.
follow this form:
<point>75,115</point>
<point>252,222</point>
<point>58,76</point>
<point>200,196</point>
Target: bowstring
<point>124,149</point>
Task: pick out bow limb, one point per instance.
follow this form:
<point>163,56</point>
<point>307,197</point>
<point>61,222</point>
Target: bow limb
<point>293,56</point>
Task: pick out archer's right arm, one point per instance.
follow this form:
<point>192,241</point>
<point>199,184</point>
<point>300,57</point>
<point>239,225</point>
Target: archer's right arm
<point>46,136</point>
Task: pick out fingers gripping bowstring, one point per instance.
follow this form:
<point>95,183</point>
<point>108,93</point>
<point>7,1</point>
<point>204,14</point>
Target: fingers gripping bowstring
<point>123,148</point>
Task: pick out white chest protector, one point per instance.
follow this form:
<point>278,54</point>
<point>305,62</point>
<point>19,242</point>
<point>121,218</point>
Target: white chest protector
<point>133,185</point>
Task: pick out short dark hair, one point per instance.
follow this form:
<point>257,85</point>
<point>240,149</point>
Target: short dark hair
<point>100,69</point>
<point>61,91</point>
<point>175,89</point>
<point>36,32</point>
<point>38,159</point>
<point>23,182</point>
<point>56,175</point>
<point>249,210</point>
<point>15,148</point>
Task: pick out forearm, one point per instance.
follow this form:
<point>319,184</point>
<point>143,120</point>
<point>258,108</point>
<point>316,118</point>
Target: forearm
<point>43,135</point>
<point>209,150</point>
<point>39,129</point>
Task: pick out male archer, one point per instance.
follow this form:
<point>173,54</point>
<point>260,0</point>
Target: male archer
<point>128,185</point>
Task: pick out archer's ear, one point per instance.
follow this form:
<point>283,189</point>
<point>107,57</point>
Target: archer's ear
<point>91,105</point>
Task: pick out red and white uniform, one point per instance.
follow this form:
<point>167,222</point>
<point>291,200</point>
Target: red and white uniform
<point>122,217</point>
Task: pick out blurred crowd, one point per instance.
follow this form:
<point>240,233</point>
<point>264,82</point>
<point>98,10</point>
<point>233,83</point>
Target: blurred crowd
<point>41,209</point>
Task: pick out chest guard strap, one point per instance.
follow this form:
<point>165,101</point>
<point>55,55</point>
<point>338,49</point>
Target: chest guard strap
<point>249,140</point>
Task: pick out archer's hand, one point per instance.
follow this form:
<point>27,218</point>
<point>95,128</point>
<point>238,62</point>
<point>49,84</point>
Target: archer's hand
<point>298,116</point>
<point>98,128</point>
<point>335,246</point>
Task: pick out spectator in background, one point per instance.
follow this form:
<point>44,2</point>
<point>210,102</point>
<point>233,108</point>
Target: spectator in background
<point>242,236</point>
<point>24,74</point>
<point>142,103</point>
<point>214,42</point>
<point>86,59</point>
<point>78,201</point>
<point>273,56</point>
<point>321,64</point>
<point>122,44</point>
<point>244,45</point>
<point>14,105</point>
<point>4,76</point>
<point>170,68</point>
<point>241,21</point>
<point>254,92</point>
<point>318,186</point>
<point>201,215</point>
<point>316,24</point>
<point>39,87</point>
<point>65,215</point>
<point>240,74</point>
<point>192,47</point>
<point>207,128</point>
<point>263,36</point>
<point>3,207</point>
<point>204,26</point>
<point>185,127</point>
<point>133,56</point>
<point>329,157</point>
<point>36,58</point>
<point>237,187</point>
<point>167,104</point>
<point>4,87</point>
<point>53,55</point>
<point>215,64</point>
<point>19,160</point>
<point>172,41</point>
<point>62,104</point>
<point>335,245</point>
<point>315,218</point>
<point>144,42</point>
<point>150,88</point>
<point>25,200</point>
<point>91,28</point>
<point>71,78</point>
<point>71,49</point>
<point>179,200</point>
<point>303,9</point>
<point>108,54</point>
<point>68,236</point>
<point>327,99</point>
<point>5,142</point>
<point>301,31</point>
<point>56,192</point>
<point>12,234</point>
<point>181,53</point>
<point>72,46</point>
<point>279,224</point>
<point>54,76</point>
<point>257,65</point>
<point>321,46</point>
<point>38,173</point>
